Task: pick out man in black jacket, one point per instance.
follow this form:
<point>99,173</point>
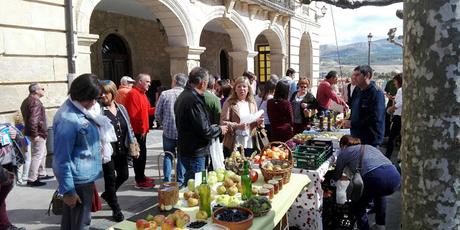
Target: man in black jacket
<point>194,129</point>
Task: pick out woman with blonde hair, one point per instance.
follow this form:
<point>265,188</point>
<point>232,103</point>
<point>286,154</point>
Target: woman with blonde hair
<point>240,104</point>
<point>116,171</point>
<point>303,105</point>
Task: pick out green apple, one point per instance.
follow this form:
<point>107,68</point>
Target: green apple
<point>233,201</point>
<point>149,217</point>
<point>221,190</point>
<point>212,180</point>
<point>212,173</point>
<point>220,170</point>
<point>223,200</point>
<point>191,185</point>
<point>220,177</point>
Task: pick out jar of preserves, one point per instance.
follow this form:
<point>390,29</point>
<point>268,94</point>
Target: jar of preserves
<point>265,192</point>
<point>270,188</point>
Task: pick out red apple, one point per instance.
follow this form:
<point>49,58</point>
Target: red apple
<point>140,224</point>
<point>253,175</point>
<point>168,224</point>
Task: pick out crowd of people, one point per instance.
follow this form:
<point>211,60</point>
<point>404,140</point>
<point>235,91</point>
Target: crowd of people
<point>100,128</point>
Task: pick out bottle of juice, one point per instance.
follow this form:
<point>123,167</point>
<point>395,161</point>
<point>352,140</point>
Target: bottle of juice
<point>205,195</point>
<point>246,183</point>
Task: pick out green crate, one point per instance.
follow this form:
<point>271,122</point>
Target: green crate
<point>310,157</point>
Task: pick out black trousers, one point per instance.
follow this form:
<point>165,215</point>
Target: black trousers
<point>395,131</point>
<point>139,163</point>
<point>115,173</point>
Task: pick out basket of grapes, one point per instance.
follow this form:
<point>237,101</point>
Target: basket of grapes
<point>259,205</point>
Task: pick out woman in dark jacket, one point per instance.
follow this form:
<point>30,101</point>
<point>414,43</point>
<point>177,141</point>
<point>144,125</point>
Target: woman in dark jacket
<point>280,113</point>
<point>116,170</point>
<point>379,175</point>
<point>303,102</point>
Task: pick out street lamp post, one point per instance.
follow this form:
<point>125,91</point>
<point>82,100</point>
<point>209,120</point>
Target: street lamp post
<point>369,39</point>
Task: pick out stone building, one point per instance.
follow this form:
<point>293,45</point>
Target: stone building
<point>44,40</point>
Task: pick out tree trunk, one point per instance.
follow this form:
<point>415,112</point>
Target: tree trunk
<point>431,115</point>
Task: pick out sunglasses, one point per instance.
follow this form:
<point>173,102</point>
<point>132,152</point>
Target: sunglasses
<point>104,82</point>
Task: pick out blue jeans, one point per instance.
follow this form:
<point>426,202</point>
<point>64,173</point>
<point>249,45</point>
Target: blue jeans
<point>192,165</point>
<point>378,184</point>
<point>170,145</point>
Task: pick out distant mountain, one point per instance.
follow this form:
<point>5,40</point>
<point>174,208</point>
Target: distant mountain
<point>382,53</point>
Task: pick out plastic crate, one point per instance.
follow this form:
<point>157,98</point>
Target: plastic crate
<point>310,157</point>
<point>337,216</point>
<point>328,144</point>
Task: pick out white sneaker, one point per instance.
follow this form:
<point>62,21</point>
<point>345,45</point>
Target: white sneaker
<point>377,227</point>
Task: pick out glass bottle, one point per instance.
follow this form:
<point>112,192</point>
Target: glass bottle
<point>246,183</point>
<point>205,195</point>
<point>321,120</point>
<point>329,126</point>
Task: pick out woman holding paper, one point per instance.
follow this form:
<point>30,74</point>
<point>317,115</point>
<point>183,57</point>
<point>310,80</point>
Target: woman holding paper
<point>238,114</point>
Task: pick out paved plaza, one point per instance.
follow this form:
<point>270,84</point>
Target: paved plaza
<point>27,206</point>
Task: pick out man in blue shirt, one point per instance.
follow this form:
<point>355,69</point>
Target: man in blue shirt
<point>368,109</point>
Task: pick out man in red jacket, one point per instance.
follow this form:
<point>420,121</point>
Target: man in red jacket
<point>139,109</point>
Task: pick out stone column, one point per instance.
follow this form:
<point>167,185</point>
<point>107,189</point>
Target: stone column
<point>184,59</point>
<point>242,61</point>
<point>83,52</point>
<point>277,63</point>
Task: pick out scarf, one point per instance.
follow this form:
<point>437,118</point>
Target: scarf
<point>104,126</point>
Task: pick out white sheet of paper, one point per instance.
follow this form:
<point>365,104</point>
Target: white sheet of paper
<point>251,117</point>
<point>197,178</point>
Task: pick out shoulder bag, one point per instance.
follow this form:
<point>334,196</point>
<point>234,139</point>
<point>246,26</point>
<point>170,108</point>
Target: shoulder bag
<point>356,186</point>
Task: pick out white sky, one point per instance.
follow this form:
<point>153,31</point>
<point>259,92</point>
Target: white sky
<point>354,25</point>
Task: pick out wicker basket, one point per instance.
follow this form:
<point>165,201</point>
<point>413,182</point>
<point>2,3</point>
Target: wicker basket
<point>263,213</point>
<point>286,172</point>
<point>168,192</point>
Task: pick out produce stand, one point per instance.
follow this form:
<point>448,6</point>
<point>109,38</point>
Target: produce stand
<point>280,205</point>
<point>306,211</point>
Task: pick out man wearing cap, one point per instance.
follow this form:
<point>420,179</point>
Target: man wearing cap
<point>35,128</point>
<point>126,83</point>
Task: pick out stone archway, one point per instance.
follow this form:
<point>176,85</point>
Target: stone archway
<point>171,17</point>
<point>306,57</point>
<point>234,38</point>
<point>271,54</point>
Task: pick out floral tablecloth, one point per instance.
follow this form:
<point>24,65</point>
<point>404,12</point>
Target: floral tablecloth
<point>305,212</point>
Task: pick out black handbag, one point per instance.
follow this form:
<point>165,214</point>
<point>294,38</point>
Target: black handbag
<point>56,205</point>
<point>260,139</point>
<point>356,186</point>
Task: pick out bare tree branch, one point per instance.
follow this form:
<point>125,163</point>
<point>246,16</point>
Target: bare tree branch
<point>353,4</point>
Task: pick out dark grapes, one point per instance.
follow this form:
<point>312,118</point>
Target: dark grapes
<point>196,224</point>
<point>232,215</point>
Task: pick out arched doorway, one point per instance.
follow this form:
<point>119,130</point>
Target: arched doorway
<point>115,58</point>
<point>224,65</point>
<point>270,57</point>
<point>305,58</point>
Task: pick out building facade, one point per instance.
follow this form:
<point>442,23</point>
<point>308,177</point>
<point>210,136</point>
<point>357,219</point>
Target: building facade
<point>44,40</point>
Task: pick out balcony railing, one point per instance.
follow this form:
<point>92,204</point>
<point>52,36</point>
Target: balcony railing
<point>287,6</point>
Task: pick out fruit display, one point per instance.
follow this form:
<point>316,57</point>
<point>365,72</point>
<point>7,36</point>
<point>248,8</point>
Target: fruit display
<point>259,205</point>
<point>275,165</point>
<point>179,219</point>
<point>275,152</point>
<point>235,162</point>
<point>236,218</point>
<point>300,138</point>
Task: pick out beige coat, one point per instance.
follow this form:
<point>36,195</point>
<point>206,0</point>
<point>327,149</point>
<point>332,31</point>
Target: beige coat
<point>229,117</point>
